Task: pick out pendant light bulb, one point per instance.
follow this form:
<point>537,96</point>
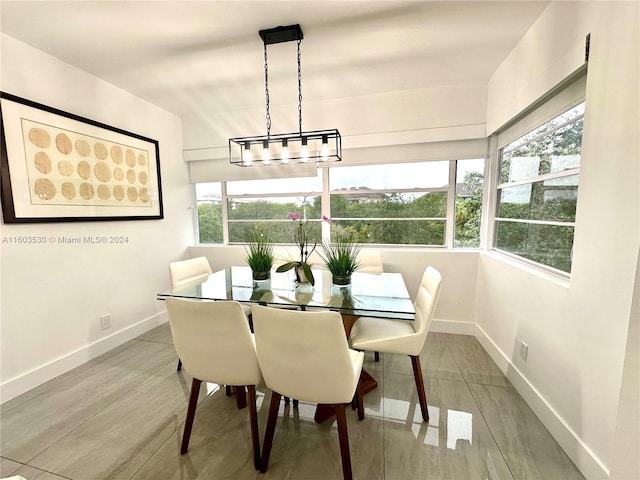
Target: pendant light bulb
<point>284,155</point>
<point>324,149</point>
<point>266,155</point>
<point>247,157</point>
<point>304,151</point>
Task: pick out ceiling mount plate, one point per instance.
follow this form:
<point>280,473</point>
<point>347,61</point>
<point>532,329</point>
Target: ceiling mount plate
<point>281,34</point>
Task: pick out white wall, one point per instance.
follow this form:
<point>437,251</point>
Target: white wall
<point>435,114</point>
<point>53,295</point>
<point>576,330</point>
<point>626,462</point>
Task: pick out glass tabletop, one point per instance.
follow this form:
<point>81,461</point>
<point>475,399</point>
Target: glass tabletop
<point>372,295</point>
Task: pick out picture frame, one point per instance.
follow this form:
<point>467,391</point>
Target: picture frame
<point>56,166</point>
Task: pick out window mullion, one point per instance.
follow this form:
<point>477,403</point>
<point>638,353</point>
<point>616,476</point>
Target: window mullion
<point>451,206</point>
<point>393,190</point>
<point>249,196</point>
<point>490,194</point>
<point>540,178</point>
<point>536,222</point>
<point>225,213</point>
<point>386,219</point>
<point>325,205</point>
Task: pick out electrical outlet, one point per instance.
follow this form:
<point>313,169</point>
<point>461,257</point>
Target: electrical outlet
<point>105,321</point>
<point>524,350</point>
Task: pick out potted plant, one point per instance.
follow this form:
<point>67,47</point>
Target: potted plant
<point>341,258</point>
<point>260,256</point>
<point>303,238</point>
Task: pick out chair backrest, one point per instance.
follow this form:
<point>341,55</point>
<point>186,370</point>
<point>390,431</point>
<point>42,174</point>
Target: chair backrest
<point>370,261</point>
<point>213,341</point>
<point>187,271</point>
<point>426,300</point>
<point>305,355</point>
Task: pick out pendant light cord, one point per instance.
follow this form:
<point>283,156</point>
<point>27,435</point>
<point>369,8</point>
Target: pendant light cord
<point>266,89</point>
<point>299,90</point>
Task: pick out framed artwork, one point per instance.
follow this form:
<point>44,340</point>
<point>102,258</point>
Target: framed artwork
<point>59,167</point>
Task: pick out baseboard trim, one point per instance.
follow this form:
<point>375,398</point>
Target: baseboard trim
<point>581,455</point>
<point>25,382</point>
<point>452,326</point>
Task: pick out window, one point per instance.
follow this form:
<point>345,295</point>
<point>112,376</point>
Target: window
<point>415,203</point>
<point>538,192</point>
<point>209,212</point>
<point>402,204</point>
<point>266,208</point>
<point>469,182</point>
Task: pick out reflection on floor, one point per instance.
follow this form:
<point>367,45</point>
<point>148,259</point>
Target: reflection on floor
<point>121,415</point>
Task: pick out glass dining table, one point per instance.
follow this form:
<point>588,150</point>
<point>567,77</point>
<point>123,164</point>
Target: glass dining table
<point>382,295</point>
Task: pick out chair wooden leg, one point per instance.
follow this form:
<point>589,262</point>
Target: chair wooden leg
<point>270,430</point>
<point>417,374</point>
<point>228,390</point>
<point>241,397</point>
<point>360,399</point>
<point>191,413</point>
<point>253,419</point>
<point>344,441</point>
<point>376,356</point>
<point>179,365</point>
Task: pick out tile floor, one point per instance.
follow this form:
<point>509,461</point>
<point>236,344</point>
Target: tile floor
<point>121,416</point>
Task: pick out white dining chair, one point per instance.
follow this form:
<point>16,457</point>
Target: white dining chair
<point>306,356</point>
<point>370,261</point>
<point>194,270</point>
<point>215,344</point>
<point>394,336</point>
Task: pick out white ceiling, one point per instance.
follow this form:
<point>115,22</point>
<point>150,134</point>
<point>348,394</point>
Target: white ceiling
<point>191,57</point>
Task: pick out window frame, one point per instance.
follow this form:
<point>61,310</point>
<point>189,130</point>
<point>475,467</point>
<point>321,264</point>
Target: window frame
<point>447,219</point>
<point>500,186</point>
<point>449,190</point>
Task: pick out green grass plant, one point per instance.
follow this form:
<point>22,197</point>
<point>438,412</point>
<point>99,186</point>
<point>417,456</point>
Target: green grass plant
<point>341,255</point>
<point>260,255</point>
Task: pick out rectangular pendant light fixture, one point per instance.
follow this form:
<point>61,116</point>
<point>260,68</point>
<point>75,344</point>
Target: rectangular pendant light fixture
<point>316,146</point>
<point>285,148</point>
